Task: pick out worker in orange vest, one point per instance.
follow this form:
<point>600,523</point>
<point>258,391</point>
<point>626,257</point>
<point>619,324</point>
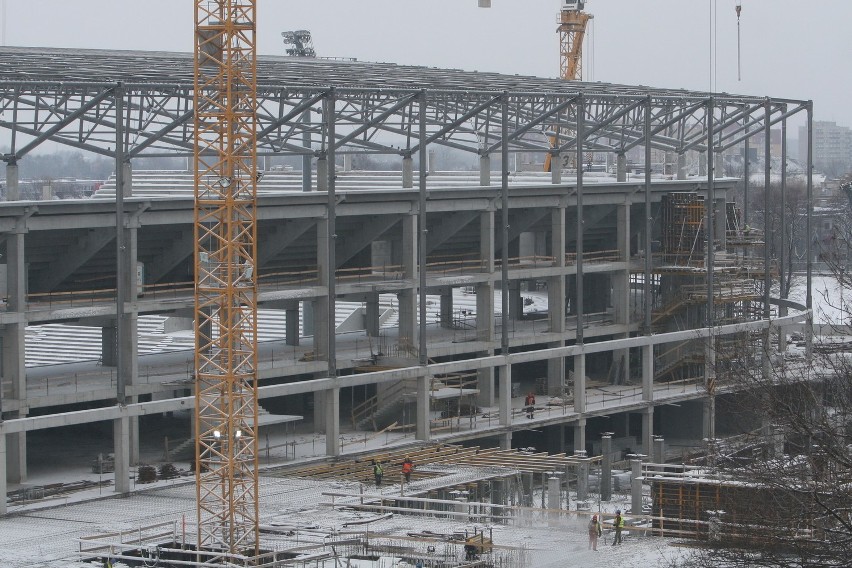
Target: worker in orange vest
<point>407,466</point>
<point>529,402</point>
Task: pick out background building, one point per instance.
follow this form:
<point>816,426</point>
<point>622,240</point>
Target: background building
<point>832,147</point>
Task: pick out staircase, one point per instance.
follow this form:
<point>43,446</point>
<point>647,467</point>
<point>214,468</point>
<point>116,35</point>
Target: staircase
<point>685,353</point>
<point>373,414</point>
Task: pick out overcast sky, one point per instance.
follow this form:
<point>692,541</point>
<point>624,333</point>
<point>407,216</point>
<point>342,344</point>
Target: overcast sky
<point>790,48</point>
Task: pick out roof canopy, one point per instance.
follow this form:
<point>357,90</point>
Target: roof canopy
<point>68,96</point>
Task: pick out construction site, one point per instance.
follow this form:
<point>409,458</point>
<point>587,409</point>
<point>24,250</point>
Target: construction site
<point>243,356</point>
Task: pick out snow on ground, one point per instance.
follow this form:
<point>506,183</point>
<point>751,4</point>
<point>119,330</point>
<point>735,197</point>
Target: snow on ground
<point>46,538</point>
<point>44,534</point>
<point>832,303</point>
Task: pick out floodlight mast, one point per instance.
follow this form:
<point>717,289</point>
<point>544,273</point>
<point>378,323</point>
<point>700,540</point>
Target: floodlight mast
<point>225,124</point>
<point>302,43</point>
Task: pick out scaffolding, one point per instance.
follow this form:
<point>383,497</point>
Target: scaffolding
<point>683,229</point>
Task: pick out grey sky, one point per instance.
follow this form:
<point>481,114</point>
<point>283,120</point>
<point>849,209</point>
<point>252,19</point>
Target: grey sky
<point>790,48</point>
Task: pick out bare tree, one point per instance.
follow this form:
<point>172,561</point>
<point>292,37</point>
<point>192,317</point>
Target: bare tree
<point>789,478</point>
<point>793,217</point>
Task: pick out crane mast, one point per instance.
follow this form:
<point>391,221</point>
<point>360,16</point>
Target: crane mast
<point>225,101</point>
<point>572,30</point>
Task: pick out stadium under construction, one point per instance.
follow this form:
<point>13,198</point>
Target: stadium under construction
<point>408,312</point>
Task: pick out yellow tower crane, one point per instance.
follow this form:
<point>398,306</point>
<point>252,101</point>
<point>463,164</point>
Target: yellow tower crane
<point>225,154</point>
<point>225,103</point>
<point>572,30</point>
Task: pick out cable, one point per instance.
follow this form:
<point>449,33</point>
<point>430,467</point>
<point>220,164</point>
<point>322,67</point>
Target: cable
<point>715,45</point>
<point>3,28</point>
<point>710,44</point>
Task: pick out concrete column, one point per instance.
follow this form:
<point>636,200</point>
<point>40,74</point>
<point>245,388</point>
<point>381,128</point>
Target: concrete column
<point>121,440</point>
<point>621,167</point>
<point>554,493</point>
<point>347,162</point>
<point>127,185</point>
<point>718,165</point>
<point>621,282</point>
<point>486,240</point>
<point>134,433</point>
<point>621,366</point>
<point>332,422</point>
<point>556,301</point>
<point>669,166</point>
<point>647,441</point>
<point>648,373</point>
<point>606,467</point>
<point>556,168</point>
<point>506,441</point>
<point>319,408</point>
<point>308,314</point>
<point>621,292</point>
<point>636,487</point>
<point>702,164</point>
<point>372,316</point>
<point>408,298</point>
<point>720,223</point>
<point>516,304</point>
<point>583,481</point>
<point>423,398</point>
<point>527,491</point>
<point>681,165</point>
<point>3,486</point>
<point>580,383</point>
<point>555,374</point>
<point>485,385</point>
<point>556,284</point>
<point>291,333</point>
<point>16,454</point>
<point>447,308</point>
<point>777,441</point>
<point>407,172</point>
<point>109,338</point>
<point>709,362</point>
<point>659,454</point>
<point>580,436</point>
<point>130,337</point>
<point>322,174</point>
<point>485,170</point>
<point>485,311</point>
<point>433,162</point>
<point>306,158</point>
<point>708,419</point>
<point>505,388</point>
<point>14,338</point>
<point>13,192</point>
<point>321,303</point>
<point>485,328</point>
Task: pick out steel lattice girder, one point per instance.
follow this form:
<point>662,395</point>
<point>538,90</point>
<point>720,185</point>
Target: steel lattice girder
<point>68,101</point>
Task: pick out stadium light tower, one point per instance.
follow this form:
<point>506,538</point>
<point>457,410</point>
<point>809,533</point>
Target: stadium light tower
<point>303,44</point>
